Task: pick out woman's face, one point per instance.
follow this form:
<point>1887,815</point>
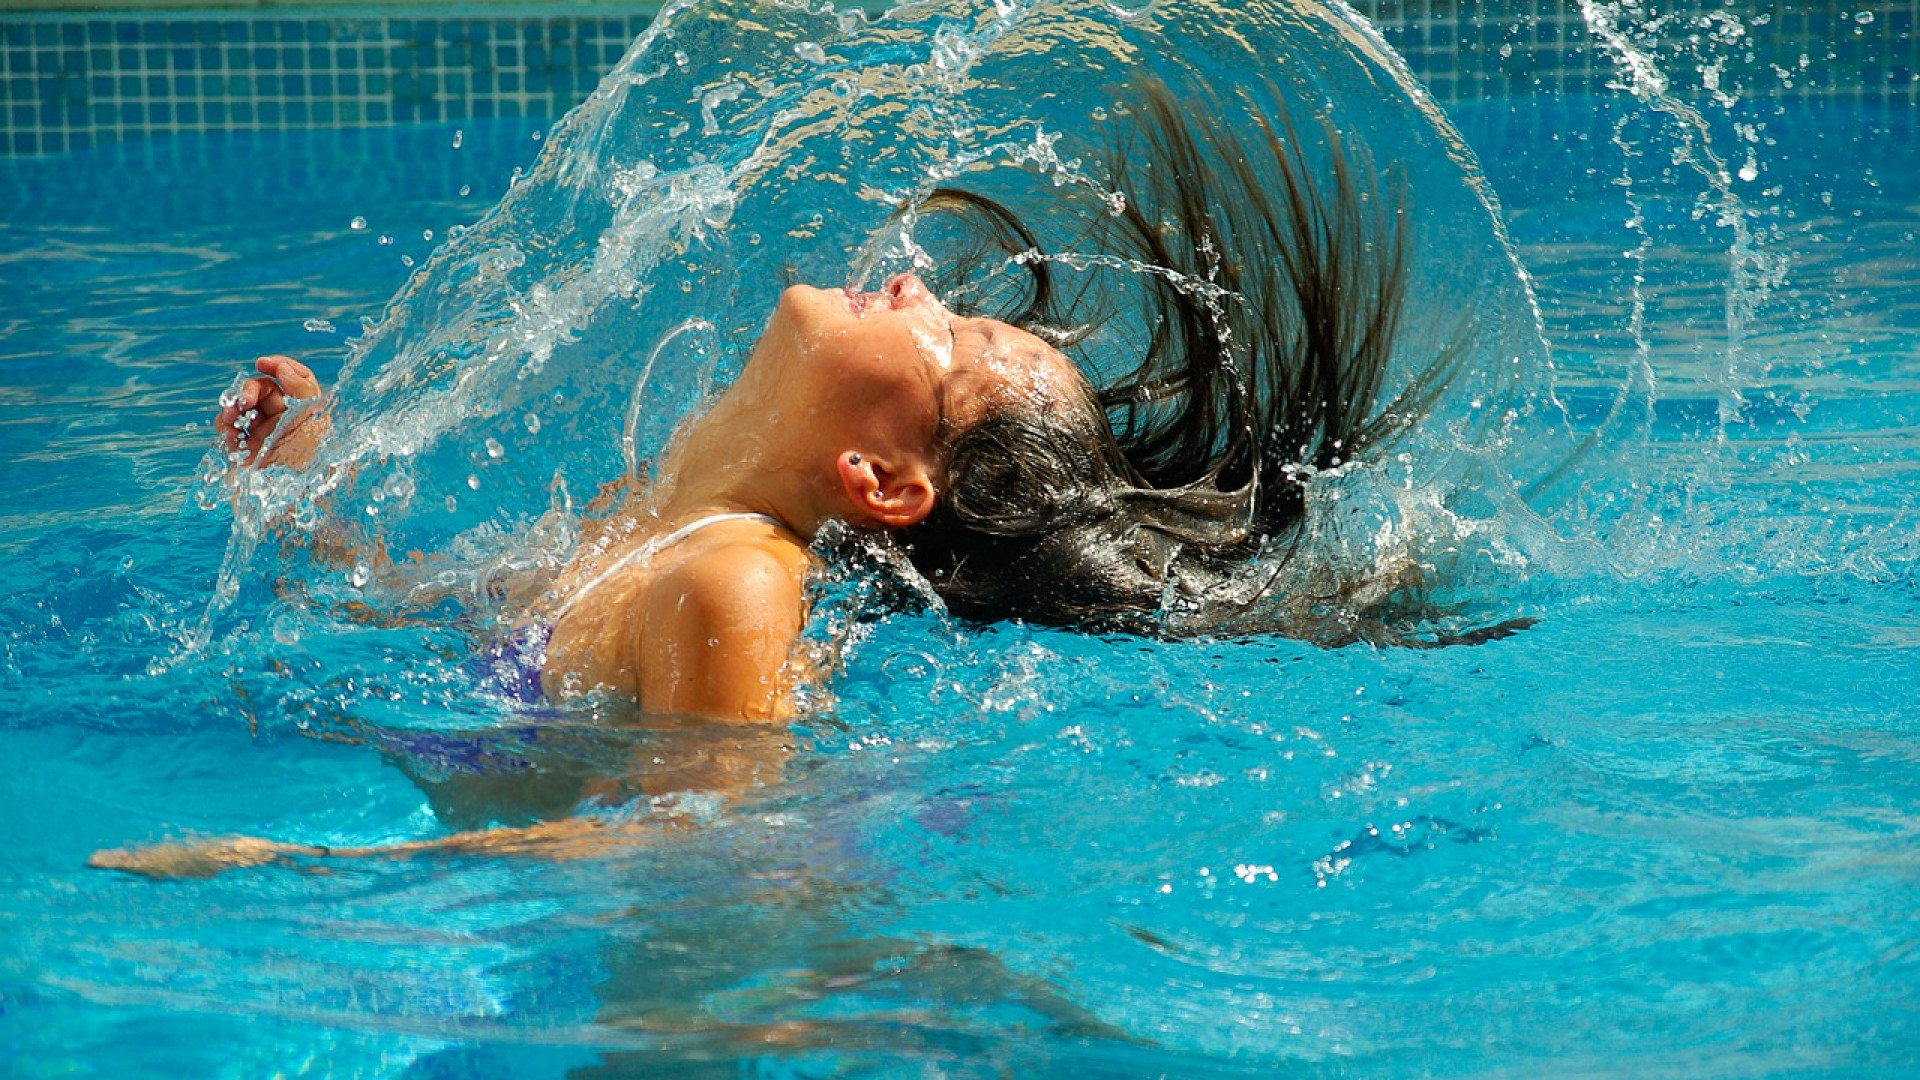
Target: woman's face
<point>895,365</point>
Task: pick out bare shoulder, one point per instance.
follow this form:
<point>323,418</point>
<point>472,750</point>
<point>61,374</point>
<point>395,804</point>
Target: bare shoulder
<point>743,574</point>
<point>721,626</point>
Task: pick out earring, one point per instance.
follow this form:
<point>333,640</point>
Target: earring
<point>853,459</point>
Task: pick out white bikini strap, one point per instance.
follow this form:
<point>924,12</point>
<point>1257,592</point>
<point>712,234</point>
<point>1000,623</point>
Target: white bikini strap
<point>645,552</point>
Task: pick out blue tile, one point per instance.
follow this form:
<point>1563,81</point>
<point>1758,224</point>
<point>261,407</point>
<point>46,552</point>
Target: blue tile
<point>377,112</point>
<point>131,114</point>
<point>349,84</point>
<point>266,57</point>
<point>216,113</point>
<point>321,84</point>
<point>267,84</point>
<point>206,31</point>
<point>208,57</point>
<point>103,113</point>
<point>129,86</point>
<point>319,57</point>
<point>293,57</point>
<point>483,109</point>
<point>293,85</point>
<point>99,31</point>
<point>296,112</point>
<point>292,31</point>
<point>188,113</point>
<point>509,56</point>
<point>79,140</point>
<point>101,85</point>
<point>323,112</point>
<point>24,142</point>
<point>73,34</point>
<point>185,59</point>
<point>185,86</point>
<point>152,32</point>
<point>263,30</point>
<point>46,34</point>
<point>483,82</point>
<point>241,112</point>
<point>509,109</point>
<point>156,86</point>
<point>233,32</point>
<point>349,112</point>
<point>268,111</point>
<point>180,32</point>
<point>125,33</point>
<point>160,113</point>
<point>347,58</point>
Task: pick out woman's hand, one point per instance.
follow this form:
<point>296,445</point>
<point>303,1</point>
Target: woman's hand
<point>250,418</point>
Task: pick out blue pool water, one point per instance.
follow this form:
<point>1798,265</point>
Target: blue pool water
<point>1667,831</point>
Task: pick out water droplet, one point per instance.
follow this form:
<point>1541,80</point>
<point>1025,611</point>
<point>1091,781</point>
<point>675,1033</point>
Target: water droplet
<point>453,504</point>
<point>494,449</point>
<point>406,260</point>
<point>473,482</point>
<point>384,239</point>
<point>1864,18</point>
<point>458,138</point>
<point>318,326</point>
<point>358,224</point>
<point>426,234</point>
<point>533,423</point>
<point>362,573</point>
<point>538,135</point>
<point>811,52</point>
<point>466,189</point>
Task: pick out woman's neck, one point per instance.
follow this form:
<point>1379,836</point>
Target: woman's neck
<point>738,457</point>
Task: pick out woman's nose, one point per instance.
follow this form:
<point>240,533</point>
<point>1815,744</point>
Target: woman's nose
<point>907,290</point>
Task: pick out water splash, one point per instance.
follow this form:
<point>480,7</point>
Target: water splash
<point>630,269</point>
<point>1755,268</point>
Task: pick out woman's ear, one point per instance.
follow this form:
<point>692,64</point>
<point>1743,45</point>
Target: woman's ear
<point>890,494</point>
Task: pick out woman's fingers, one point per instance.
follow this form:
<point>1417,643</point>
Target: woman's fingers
<point>254,411</point>
<point>294,377</point>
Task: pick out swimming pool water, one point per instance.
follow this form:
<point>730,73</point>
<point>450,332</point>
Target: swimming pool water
<point>1668,831</point>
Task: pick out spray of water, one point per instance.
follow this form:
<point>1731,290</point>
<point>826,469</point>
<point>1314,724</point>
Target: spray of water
<point>556,342</point>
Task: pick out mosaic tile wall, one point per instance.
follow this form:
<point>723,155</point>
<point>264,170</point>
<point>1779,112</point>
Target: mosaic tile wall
<point>68,81</point>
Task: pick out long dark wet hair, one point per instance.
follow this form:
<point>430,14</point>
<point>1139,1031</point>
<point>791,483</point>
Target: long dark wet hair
<point>1272,300</point>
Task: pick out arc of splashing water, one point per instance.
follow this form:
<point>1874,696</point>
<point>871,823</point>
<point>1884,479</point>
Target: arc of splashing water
<point>1753,272</point>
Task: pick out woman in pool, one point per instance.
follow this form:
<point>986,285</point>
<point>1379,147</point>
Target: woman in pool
<point>1016,485</point>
